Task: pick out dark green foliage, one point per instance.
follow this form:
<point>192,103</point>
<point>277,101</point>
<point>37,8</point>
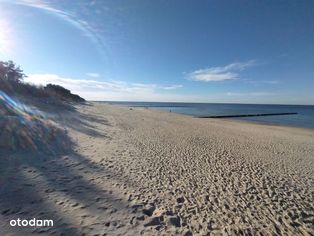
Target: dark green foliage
<point>58,89</point>
<point>11,82</point>
<point>62,93</point>
<point>10,72</point>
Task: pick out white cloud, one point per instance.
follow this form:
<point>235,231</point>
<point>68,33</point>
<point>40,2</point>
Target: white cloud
<point>251,94</point>
<point>270,82</point>
<point>122,91</point>
<point>220,73</point>
<point>258,82</point>
<point>171,87</point>
<point>207,75</point>
<point>94,75</point>
<point>111,90</point>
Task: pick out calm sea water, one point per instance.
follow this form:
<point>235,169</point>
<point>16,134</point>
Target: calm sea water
<point>304,118</point>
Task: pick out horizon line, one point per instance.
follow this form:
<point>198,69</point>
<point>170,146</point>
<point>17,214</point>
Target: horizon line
<point>235,103</point>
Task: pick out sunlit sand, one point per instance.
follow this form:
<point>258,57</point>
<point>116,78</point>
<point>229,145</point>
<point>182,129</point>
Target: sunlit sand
<point>148,172</point>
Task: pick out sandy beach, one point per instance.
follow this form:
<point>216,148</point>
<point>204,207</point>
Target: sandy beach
<point>122,171</point>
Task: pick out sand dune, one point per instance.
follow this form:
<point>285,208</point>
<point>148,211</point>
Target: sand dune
<point>144,172</point>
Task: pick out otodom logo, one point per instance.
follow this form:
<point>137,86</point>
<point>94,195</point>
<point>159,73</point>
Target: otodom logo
<point>32,222</point>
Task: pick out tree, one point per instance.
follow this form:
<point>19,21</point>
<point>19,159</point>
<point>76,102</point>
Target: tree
<point>10,72</point>
<point>11,82</point>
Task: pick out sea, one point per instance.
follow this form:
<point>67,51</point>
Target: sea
<point>304,117</point>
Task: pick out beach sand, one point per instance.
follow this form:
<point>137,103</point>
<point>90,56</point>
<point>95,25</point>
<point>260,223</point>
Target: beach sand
<point>145,172</point>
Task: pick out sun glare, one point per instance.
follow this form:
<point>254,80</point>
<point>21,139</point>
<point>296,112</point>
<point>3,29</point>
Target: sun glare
<point>6,39</point>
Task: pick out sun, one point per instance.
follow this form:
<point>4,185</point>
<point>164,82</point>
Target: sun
<point>6,38</point>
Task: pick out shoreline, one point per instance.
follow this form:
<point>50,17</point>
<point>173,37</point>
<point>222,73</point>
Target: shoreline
<point>241,121</point>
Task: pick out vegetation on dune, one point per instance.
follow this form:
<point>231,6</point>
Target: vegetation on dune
<point>23,125</point>
<point>63,93</point>
<point>11,82</point>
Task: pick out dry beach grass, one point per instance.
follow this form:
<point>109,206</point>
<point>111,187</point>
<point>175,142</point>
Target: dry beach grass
<point>145,172</point>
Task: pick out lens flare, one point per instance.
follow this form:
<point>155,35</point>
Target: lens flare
<point>20,109</point>
<point>27,128</point>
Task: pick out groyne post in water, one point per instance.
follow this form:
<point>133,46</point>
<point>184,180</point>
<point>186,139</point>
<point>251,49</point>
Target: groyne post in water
<point>249,115</point>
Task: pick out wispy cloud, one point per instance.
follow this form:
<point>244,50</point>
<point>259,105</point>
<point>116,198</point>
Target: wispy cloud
<point>122,91</point>
<point>69,17</point>
<point>250,94</point>
<point>259,82</point>
<point>109,90</point>
<point>270,82</point>
<point>171,87</point>
<point>94,75</point>
<point>221,73</point>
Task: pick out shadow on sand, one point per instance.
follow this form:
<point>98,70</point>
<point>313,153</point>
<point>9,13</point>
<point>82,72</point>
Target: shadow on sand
<point>43,177</point>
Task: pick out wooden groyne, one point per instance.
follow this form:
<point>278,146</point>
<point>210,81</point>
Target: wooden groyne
<point>250,115</point>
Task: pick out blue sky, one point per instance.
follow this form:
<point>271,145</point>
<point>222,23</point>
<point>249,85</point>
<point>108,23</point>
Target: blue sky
<point>189,51</point>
